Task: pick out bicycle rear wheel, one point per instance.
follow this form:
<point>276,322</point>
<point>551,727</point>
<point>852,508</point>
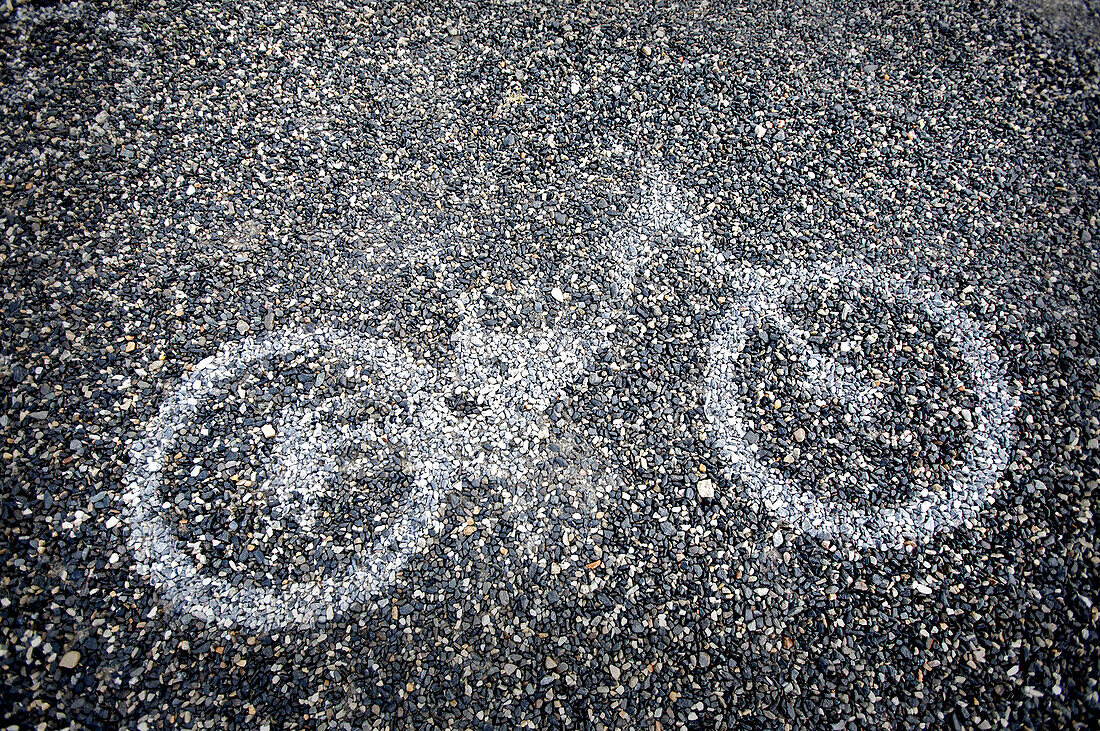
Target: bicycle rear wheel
<point>311,456</point>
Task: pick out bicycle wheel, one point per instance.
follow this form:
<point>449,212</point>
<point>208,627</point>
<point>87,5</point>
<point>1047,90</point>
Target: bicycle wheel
<point>756,321</point>
<point>318,446</point>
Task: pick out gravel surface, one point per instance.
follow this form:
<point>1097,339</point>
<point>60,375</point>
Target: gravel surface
<point>692,365</point>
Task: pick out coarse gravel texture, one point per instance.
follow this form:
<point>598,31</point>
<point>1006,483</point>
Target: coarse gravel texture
<point>547,211</point>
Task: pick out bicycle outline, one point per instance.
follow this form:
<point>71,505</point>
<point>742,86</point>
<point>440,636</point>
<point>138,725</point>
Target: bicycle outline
<point>207,597</point>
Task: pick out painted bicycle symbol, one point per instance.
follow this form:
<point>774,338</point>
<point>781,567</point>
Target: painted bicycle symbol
<point>388,426</point>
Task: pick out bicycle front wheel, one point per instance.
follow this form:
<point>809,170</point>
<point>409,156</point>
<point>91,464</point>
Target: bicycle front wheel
<point>760,325</point>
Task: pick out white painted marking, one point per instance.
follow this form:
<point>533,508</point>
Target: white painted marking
<point>306,468</point>
<point>968,490</point>
<point>517,378</point>
<point>630,249</point>
<point>514,379</point>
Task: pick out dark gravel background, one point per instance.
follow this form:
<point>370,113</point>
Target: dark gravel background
<point>177,176</point>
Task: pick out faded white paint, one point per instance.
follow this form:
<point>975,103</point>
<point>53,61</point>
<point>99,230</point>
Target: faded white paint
<point>304,470</point>
<point>968,489</point>
<point>759,291</point>
<point>513,378</point>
